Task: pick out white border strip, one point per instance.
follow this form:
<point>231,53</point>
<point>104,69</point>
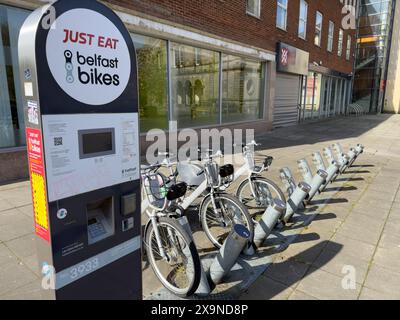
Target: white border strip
<point>154,26</point>
<point>84,268</point>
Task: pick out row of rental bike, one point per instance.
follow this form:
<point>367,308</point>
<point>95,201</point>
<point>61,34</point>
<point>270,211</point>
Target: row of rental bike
<point>171,189</point>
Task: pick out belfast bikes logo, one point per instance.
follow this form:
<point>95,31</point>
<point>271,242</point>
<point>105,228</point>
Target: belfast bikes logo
<point>88,57</point>
<point>92,75</point>
<point>69,67</point>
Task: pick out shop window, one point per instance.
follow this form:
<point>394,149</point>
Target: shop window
<point>303,19</point>
<point>12,125</point>
<point>242,89</point>
<point>153,85</point>
<point>281,15</point>
<point>253,7</point>
<point>199,70</point>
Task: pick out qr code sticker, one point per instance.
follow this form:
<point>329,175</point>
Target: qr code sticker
<point>58,141</point>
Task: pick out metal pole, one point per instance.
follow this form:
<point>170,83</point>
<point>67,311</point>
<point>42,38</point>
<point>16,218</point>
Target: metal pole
<point>297,198</point>
<point>332,172</point>
<point>268,221</point>
<point>305,170</point>
<point>318,180</point>
<point>318,161</point>
<point>228,254</point>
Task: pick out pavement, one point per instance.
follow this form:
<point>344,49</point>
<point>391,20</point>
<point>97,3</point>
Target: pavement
<point>351,250</point>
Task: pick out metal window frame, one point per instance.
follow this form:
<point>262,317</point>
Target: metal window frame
<point>285,8</point>
<point>304,20</point>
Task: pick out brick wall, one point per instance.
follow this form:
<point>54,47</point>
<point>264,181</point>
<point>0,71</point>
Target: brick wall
<point>228,19</point>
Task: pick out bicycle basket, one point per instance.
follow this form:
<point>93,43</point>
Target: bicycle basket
<point>226,171</point>
<point>268,161</point>
<point>177,191</point>
<point>155,189</point>
<point>213,174</point>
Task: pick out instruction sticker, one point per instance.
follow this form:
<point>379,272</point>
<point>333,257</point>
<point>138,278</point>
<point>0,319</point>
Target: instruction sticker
<point>38,184</point>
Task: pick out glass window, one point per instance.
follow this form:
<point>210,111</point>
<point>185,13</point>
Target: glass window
<point>317,94</point>
<point>281,16</point>
<point>12,125</point>
<point>254,7</point>
<point>194,86</point>
<point>312,95</point>
<point>242,89</point>
<point>330,36</point>
<point>340,43</point>
<point>348,48</point>
<point>153,84</point>
<point>333,96</point>
<point>318,29</point>
<point>303,19</point>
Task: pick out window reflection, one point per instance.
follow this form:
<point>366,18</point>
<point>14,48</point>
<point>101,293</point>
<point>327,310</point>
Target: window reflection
<point>198,69</point>
<point>153,84</point>
<point>12,125</point>
<point>242,87</point>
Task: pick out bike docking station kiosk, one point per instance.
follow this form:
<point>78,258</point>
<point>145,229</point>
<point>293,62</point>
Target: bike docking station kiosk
<point>79,74</point>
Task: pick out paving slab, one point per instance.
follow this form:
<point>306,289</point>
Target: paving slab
<point>383,280</point>
<point>326,286</point>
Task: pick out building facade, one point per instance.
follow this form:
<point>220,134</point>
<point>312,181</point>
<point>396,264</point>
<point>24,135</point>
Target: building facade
<point>374,40</point>
<point>254,64</point>
<point>392,97</point>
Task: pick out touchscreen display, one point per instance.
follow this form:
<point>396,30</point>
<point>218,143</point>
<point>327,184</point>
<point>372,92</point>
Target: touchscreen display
<point>94,143</point>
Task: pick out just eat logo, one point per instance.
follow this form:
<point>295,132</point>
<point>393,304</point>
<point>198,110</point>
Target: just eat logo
<point>90,39</point>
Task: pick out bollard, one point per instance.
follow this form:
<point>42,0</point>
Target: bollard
<point>318,161</point>
<point>318,180</point>
<point>228,254</point>
<point>204,288</point>
<point>297,198</point>
<point>332,172</point>
<point>268,221</point>
<point>305,170</point>
<point>288,180</point>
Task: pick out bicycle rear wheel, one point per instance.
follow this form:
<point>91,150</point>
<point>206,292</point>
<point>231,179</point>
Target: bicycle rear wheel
<point>180,270</point>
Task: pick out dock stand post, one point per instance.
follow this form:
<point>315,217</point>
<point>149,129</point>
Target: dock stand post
<point>297,198</point>
<point>305,170</point>
<point>332,171</point>
<point>228,254</point>
<point>328,154</point>
<point>290,183</point>
<point>318,180</point>
<point>268,221</point>
<point>318,161</point>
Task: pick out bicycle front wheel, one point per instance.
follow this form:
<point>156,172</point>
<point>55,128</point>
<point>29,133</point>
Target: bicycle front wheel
<point>218,221</point>
<point>260,193</point>
<point>178,268</point>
